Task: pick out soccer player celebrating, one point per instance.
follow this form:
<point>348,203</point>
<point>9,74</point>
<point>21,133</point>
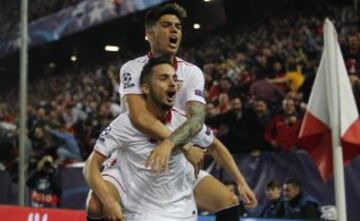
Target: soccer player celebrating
<point>164,33</point>
<point>129,186</point>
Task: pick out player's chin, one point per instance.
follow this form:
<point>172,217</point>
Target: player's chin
<point>168,104</point>
<point>172,50</point>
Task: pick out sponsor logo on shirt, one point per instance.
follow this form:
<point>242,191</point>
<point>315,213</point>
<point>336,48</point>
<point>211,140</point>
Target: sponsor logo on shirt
<point>126,80</point>
<point>199,93</point>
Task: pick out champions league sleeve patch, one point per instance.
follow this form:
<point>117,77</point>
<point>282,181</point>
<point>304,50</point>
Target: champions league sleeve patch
<point>104,134</point>
<point>126,79</point>
<point>199,93</point>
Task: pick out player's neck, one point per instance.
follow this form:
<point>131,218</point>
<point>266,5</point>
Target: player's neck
<point>158,111</point>
<point>156,53</point>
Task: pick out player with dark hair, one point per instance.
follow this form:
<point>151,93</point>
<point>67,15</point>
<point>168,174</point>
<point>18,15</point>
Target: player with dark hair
<point>128,185</point>
<point>163,27</point>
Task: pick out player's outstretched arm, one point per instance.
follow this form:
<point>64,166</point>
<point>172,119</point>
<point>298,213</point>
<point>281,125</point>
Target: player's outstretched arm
<point>225,159</point>
<point>91,171</point>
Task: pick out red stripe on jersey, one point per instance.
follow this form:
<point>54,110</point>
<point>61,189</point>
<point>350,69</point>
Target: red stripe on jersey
<point>101,154</point>
<point>181,113</point>
<point>118,182</point>
<point>167,118</point>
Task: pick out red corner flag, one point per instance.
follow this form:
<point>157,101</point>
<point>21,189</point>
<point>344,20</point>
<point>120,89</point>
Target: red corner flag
<point>331,105</point>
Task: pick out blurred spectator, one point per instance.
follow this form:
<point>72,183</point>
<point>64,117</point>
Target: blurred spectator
<point>264,90</point>
<point>211,110</point>
<point>262,119</point>
<point>355,85</point>
<point>299,205</point>
<point>274,207</point>
<point>45,184</point>
<point>294,77</point>
<point>282,131</point>
<point>235,128</point>
<point>300,106</point>
<point>67,147</point>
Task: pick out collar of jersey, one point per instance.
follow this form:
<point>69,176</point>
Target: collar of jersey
<point>167,118</point>
<point>174,64</point>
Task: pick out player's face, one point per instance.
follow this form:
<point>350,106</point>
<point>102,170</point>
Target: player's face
<point>165,36</point>
<point>163,86</point>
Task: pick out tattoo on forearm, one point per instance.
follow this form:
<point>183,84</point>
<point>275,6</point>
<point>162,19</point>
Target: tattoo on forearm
<point>194,123</point>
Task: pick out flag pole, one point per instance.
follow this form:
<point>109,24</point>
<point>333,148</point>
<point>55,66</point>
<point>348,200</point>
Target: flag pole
<point>332,48</point>
<point>23,101</point>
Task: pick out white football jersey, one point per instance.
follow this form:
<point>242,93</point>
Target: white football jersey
<point>190,77</point>
<point>145,195</point>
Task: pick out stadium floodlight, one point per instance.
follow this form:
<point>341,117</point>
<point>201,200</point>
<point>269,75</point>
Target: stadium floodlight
<point>196,26</point>
<point>112,48</point>
<point>52,65</point>
<point>73,58</point>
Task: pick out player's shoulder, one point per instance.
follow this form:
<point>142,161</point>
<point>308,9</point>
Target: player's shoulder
<point>121,122</point>
<point>178,113</point>
<point>182,62</point>
<point>187,66</point>
<point>138,62</point>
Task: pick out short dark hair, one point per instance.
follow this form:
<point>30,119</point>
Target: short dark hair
<point>153,15</point>
<point>147,69</point>
<point>274,183</point>
<point>295,182</point>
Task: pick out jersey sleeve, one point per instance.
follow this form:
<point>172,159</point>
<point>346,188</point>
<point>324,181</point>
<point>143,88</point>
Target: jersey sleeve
<point>130,79</point>
<point>195,88</point>
<point>113,137</point>
<point>204,138</point>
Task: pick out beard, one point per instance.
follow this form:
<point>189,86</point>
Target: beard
<point>158,101</point>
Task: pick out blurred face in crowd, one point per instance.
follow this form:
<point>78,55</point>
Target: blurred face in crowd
<point>277,66</point>
<point>39,133</point>
<point>236,104</point>
<point>289,107</point>
<point>225,84</point>
<point>273,193</point>
<point>210,110</point>
<point>290,191</point>
<point>165,36</point>
<point>354,42</point>
<point>260,108</point>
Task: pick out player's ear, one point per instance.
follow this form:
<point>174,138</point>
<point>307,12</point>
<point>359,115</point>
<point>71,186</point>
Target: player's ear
<point>148,34</point>
<point>145,88</point>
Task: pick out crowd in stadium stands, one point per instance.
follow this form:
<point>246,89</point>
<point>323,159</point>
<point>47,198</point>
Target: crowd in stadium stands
<point>258,80</point>
<point>10,12</point>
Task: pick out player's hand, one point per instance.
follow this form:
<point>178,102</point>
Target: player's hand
<point>158,160</point>
<point>113,211</point>
<point>195,156</point>
<point>248,196</point>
